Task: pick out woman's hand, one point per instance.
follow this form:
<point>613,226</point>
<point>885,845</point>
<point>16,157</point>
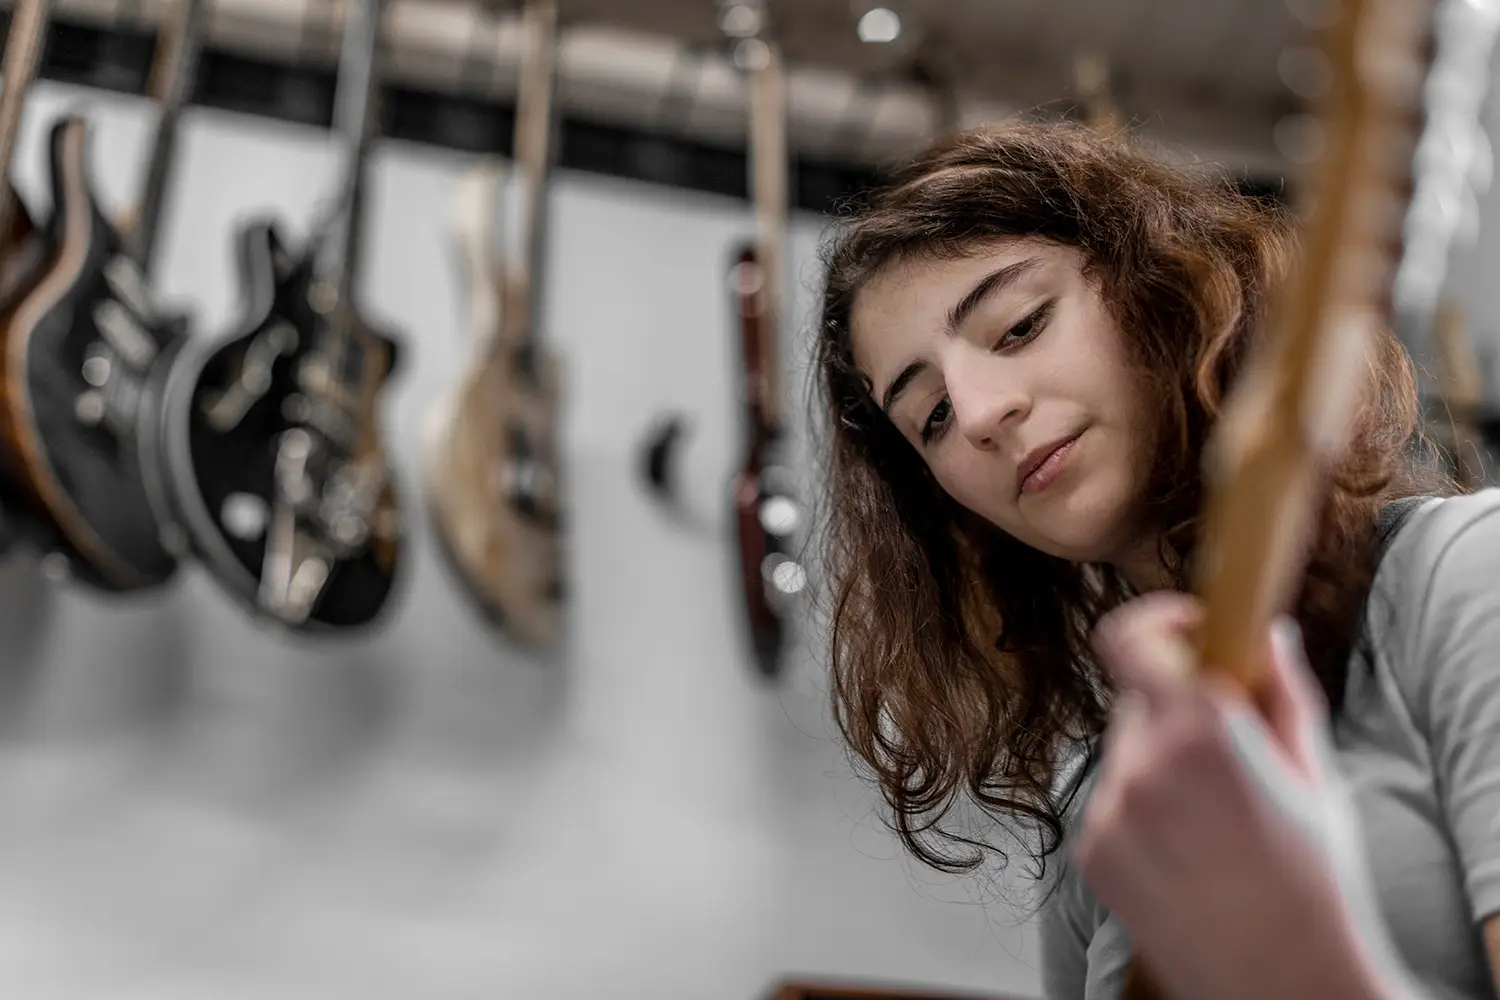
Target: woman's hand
<point>1224,839</point>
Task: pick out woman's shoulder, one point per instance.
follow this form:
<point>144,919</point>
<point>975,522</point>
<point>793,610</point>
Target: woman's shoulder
<point>1438,581</point>
<point>1447,541</point>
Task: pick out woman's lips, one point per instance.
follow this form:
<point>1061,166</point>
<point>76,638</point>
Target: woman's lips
<point>1049,468</point>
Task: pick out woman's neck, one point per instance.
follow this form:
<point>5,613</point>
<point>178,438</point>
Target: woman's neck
<point>1143,567</point>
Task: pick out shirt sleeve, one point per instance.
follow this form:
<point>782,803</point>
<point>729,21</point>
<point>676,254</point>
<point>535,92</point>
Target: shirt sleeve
<point>1453,669</point>
<point>1084,950</point>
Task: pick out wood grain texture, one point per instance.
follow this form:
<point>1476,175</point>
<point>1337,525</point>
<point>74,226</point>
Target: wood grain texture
<point>1288,415</point>
<point>492,468</point>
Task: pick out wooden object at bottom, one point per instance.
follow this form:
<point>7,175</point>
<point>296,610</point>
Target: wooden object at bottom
<point>807,989</point>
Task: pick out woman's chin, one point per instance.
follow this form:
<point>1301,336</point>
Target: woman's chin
<point>1079,530</point>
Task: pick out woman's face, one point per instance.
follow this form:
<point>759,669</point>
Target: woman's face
<point>1006,373</point>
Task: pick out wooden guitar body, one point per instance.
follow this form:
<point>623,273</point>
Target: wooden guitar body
<point>24,252</point>
<point>492,472</point>
<point>766,512</point>
<point>23,255</point>
<point>229,404</point>
<point>757,549</point>
<point>493,497</point>
<point>84,351</point>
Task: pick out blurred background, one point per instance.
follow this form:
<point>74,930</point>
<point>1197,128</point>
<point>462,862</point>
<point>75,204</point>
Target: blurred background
<point>201,795</point>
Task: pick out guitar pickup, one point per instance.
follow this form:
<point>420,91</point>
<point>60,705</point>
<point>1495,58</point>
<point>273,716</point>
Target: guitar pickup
<point>226,409</point>
<point>127,284</point>
<point>125,335</point>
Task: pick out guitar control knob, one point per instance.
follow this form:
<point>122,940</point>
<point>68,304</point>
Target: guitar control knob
<point>784,574</point>
<point>348,531</point>
<point>323,297</point>
<point>779,515</point>
<point>97,370</point>
<point>56,568</point>
<point>88,408</point>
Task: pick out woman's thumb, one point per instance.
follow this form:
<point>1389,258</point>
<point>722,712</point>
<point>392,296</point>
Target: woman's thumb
<point>1296,709</point>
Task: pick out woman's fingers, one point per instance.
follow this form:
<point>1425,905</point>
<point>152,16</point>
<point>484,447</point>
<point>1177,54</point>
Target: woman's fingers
<point>1145,646</point>
<point>1295,711</point>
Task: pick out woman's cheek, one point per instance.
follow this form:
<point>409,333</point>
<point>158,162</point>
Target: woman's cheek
<point>971,486</point>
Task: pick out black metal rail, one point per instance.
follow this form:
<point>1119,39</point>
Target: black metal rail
<point>119,59</point>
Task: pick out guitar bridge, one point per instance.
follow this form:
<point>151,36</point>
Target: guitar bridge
<point>226,409</point>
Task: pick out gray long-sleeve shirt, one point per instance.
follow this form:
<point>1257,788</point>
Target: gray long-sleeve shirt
<point>1418,740</point>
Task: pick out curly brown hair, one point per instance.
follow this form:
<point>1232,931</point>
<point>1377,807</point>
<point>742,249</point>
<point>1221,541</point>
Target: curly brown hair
<point>961,671</point>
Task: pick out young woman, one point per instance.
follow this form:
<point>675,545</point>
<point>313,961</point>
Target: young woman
<point>1026,337</point>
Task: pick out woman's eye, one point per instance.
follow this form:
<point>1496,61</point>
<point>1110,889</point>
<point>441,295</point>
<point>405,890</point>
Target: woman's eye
<point>936,421</point>
<point>1028,328</point>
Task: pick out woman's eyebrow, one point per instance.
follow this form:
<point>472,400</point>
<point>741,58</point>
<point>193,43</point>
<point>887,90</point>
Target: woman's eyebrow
<point>991,284</point>
<point>900,383</point>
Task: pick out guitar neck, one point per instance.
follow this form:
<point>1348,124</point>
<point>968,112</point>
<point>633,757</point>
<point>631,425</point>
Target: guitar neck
<point>172,76</point>
<point>1288,417</point>
<point>1464,394</point>
<point>355,121</point>
<point>535,129</point>
<point>769,187</point>
<point>23,53</point>
<point>1091,75</point>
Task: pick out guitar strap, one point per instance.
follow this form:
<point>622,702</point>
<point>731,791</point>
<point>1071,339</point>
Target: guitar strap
<point>1394,514</point>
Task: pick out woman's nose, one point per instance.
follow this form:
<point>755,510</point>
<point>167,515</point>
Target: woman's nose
<point>985,408</point>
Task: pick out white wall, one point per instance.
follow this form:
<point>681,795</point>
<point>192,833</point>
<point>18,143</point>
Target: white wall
<point>423,812</point>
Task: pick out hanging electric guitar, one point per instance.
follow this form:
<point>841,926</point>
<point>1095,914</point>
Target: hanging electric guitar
<point>492,470</point>
<point>77,412</point>
<point>767,514</point>
<point>1459,428</point>
<point>277,463</point>
<point>1287,417</point>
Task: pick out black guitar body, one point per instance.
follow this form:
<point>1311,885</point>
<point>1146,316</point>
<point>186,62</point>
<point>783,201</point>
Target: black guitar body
<point>228,405</point>
<point>85,356</point>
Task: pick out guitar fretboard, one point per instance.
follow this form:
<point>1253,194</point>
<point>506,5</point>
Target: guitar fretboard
<point>172,77</point>
<point>23,51</point>
<point>355,123</point>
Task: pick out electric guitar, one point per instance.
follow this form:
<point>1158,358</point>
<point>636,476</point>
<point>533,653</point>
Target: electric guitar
<point>1375,244</point>
<point>767,514</point>
<point>78,437</point>
<point>492,470</point>
<point>1463,400</point>
<point>278,468</point>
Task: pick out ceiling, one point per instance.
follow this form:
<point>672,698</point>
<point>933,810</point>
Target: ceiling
<point>1204,71</point>
<point>1201,74</point>
<point>1213,50</point>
